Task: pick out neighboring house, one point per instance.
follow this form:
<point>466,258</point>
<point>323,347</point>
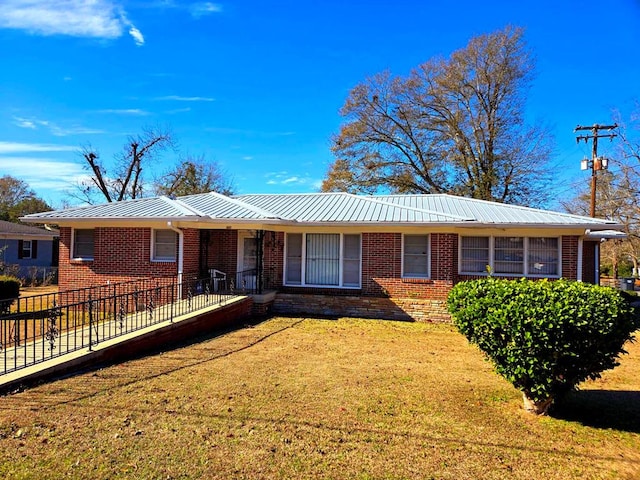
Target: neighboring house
<point>28,252</point>
<point>388,256</point>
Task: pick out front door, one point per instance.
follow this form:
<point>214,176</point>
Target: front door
<point>247,261</point>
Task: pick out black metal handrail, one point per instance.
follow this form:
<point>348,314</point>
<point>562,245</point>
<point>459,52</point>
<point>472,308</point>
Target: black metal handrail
<point>39,328</point>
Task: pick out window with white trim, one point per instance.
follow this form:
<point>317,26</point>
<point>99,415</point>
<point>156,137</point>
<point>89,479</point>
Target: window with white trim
<point>323,259</point>
<point>508,255</point>
<point>164,246</point>
<point>474,254</point>
<point>83,243</point>
<point>532,256</point>
<point>543,256</point>
<point>415,256</point>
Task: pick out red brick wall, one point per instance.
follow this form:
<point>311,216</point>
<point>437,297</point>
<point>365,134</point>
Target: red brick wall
<point>123,254</point>
<point>120,255</point>
<point>273,262</point>
<point>223,251</point>
<point>570,257</point>
<point>382,267</point>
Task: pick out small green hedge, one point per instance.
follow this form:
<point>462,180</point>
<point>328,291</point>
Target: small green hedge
<point>9,290</point>
<point>545,337</point>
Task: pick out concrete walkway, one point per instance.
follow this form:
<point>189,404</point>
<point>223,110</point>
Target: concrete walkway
<point>74,349</point>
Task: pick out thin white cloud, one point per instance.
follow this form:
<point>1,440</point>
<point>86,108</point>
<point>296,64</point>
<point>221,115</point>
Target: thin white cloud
<point>24,123</point>
<point>285,178</point>
<point>202,9</point>
<point>249,133</point>
<point>56,130</point>
<point>248,157</point>
<point>137,36</point>
<point>15,147</point>
<point>43,173</point>
<point>124,111</point>
<point>179,98</point>
<point>178,110</point>
<point>76,18</point>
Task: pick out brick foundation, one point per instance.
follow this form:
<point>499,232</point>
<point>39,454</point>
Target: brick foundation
<point>406,309</point>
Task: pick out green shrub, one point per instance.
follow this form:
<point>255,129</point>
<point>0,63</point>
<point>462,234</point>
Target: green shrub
<point>545,337</point>
<point>9,290</point>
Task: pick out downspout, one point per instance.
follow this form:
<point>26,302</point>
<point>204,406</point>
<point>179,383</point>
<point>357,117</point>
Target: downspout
<point>180,255</point>
<point>580,258</point>
<point>597,260</point>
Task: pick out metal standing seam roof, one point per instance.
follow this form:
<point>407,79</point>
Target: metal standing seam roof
<point>486,212</point>
<point>344,208</point>
<point>141,208</point>
<point>324,208</point>
<point>217,206</point>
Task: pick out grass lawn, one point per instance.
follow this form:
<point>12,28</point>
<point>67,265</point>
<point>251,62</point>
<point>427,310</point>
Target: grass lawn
<point>294,398</point>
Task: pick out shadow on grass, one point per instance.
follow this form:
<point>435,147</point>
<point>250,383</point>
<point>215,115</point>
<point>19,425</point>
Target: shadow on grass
<point>607,409</point>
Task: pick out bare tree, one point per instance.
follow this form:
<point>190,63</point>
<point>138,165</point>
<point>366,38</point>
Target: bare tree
<point>194,175</point>
<point>452,126</point>
<point>127,180</point>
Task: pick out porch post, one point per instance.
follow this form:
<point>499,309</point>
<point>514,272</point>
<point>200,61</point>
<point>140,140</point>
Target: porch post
<point>259,257</point>
<point>180,255</point>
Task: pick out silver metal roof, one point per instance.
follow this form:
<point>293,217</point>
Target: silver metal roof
<point>141,208</point>
<point>345,208</point>
<point>217,206</point>
<point>486,212</point>
<point>325,208</point>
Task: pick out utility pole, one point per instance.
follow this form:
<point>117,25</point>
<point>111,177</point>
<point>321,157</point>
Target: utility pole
<point>596,163</point>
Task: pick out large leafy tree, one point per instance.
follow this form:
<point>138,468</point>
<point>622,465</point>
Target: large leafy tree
<point>452,126</point>
<point>18,199</point>
<point>194,175</point>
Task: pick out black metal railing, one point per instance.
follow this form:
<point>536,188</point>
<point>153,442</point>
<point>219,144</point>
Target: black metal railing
<point>38,328</point>
<point>246,282</point>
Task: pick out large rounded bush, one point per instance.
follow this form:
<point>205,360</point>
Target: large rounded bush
<point>545,337</point>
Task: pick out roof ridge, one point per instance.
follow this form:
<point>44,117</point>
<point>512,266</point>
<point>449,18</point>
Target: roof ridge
<point>372,198</point>
<point>240,203</point>
<point>183,207</point>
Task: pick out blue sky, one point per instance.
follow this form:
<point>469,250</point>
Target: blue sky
<point>256,86</point>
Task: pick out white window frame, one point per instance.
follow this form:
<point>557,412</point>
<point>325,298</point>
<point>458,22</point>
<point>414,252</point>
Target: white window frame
<point>525,262</point>
<point>154,243</point>
<point>303,282</point>
<point>73,244</point>
<point>428,257</point>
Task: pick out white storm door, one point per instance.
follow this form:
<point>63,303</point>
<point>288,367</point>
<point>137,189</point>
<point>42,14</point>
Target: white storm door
<point>247,257</point>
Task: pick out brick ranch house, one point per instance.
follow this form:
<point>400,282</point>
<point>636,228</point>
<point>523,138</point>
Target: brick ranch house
<point>388,256</point>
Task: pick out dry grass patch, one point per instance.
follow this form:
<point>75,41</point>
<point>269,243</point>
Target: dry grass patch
<point>305,398</point>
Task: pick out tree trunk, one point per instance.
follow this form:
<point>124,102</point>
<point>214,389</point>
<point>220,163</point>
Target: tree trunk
<point>537,408</point>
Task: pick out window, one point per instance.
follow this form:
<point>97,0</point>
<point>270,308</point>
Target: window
<point>164,245</point>
<point>27,248</point>
<point>323,259</point>
<point>83,244</point>
<point>543,256</point>
<point>509,255</point>
<point>474,254</point>
<point>534,256</point>
<point>415,262</point>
